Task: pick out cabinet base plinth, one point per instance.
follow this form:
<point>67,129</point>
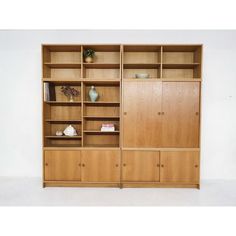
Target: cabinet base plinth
<point>79,184</point>
<point>118,185</point>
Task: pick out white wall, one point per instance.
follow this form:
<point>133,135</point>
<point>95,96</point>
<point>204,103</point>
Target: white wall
<point>20,74</point>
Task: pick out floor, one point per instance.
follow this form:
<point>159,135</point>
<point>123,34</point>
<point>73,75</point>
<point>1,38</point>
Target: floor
<point>29,192</point>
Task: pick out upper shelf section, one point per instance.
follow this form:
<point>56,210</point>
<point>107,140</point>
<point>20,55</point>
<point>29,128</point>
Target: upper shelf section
<point>67,62</point>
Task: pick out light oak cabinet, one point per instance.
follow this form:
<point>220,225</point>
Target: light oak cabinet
<point>62,165</point>
<point>140,166</point>
<point>180,120</point>
<point>156,137</point>
<point>100,166</point>
<point>161,114</point>
<point>142,117</point>
<point>179,167</point>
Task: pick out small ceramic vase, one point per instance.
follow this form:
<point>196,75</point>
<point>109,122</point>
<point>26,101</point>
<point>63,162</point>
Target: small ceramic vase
<point>70,131</point>
<point>93,94</point>
<point>88,59</point>
<point>71,98</point>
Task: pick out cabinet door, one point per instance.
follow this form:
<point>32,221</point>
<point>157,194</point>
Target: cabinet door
<point>140,166</point>
<point>141,118</point>
<point>62,165</point>
<point>180,119</point>
<point>180,166</point>
<point>100,166</point>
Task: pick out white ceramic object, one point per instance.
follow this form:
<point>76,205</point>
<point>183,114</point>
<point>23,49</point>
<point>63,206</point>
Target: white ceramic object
<point>59,133</point>
<point>142,76</point>
<point>93,94</point>
<point>70,131</point>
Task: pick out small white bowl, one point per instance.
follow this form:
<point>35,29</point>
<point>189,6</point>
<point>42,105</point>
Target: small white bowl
<point>142,76</point>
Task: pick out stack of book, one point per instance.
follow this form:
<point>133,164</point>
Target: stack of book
<point>108,127</point>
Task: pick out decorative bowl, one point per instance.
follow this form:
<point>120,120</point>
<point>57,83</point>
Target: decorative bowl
<point>142,76</point>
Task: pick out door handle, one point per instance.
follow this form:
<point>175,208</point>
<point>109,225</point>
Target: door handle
<point>125,113</point>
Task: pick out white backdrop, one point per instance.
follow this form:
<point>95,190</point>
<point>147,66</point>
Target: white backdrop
<point>20,96</point>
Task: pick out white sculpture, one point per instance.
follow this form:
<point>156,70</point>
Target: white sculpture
<point>70,131</point>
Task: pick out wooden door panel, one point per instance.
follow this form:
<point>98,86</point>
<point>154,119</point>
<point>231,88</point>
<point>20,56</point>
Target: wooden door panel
<point>62,165</point>
<point>140,166</point>
<point>179,166</point>
<point>100,166</point>
<point>180,119</point>
<point>141,118</point>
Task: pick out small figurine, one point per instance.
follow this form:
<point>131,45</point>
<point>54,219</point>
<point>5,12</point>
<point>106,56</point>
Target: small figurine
<point>70,131</point>
<point>59,133</point>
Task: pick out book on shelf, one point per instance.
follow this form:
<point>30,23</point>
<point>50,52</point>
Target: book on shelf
<point>49,92</point>
<point>108,127</point>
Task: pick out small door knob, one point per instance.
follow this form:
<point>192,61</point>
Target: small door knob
<point>124,164</point>
<point>83,165</point>
<point>159,113</point>
<point>162,165</point>
<point>196,166</point>
<point>125,113</point>
<point>117,165</point>
<point>158,165</point>
<point>197,113</point>
<point>79,164</point>
<point>46,164</point>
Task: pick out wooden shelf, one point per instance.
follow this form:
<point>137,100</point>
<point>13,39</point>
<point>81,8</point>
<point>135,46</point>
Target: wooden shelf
<point>180,66</point>
<point>63,121</point>
<point>162,79</point>
<point>63,81</point>
<point>101,65</point>
<point>63,137</point>
<point>63,65</point>
<point>63,146</point>
<point>101,103</point>
<point>142,66</point>
<point>103,117</point>
<point>100,81</point>
<point>101,146</point>
<point>78,81</point>
<point>63,103</point>
<point>101,132</point>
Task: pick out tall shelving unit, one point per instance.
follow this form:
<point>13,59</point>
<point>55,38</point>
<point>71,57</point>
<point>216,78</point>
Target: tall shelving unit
<point>156,141</point>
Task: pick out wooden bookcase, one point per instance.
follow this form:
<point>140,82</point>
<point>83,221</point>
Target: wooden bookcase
<point>156,142</point>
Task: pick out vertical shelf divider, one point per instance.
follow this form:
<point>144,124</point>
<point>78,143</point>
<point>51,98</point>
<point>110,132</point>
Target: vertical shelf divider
<point>161,76</point>
<point>82,97</point>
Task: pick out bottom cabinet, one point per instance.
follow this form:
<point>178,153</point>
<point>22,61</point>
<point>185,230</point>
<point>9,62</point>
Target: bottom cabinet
<point>62,165</point>
<point>180,167</point>
<point>100,166</point>
<point>140,166</point>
